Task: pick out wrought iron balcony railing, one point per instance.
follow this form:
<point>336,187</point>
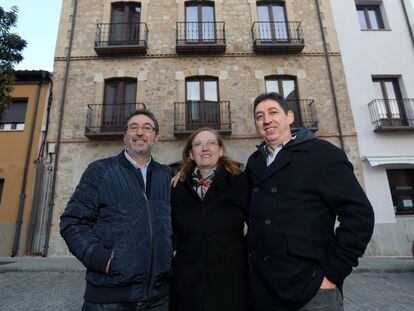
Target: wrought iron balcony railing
<point>277,37</point>
<point>121,38</point>
<point>200,37</point>
<point>305,114</point>
<point>191,115</point>
<point>107,120</point>
<point>392,114</point>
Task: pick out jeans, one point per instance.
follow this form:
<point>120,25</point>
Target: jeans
<point>325,300</point>
<point>161,304</point>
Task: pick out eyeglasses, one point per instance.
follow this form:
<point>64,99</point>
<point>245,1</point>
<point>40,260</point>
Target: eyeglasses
<point>208,143</point>
<point>146,128</point>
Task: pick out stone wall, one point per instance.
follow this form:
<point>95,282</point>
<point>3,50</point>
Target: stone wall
<point>161,81</point>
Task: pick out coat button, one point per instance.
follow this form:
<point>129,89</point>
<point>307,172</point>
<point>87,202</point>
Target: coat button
<point>252,220</point>
<point>266,257</point>
<point>255,189</point>
<point>268,222</point>
<point>251,253</point>
<point>273,190</point>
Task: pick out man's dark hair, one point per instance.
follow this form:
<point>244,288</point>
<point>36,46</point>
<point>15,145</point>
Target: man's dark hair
<point>147,113</point>
<point>272,96</point>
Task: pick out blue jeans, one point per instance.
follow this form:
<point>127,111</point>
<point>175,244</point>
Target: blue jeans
<point>162,304</point>
<point>325,300</point>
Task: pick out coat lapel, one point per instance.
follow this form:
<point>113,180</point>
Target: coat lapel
<point>259,171</point>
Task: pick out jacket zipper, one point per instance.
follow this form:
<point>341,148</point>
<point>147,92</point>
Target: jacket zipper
<point>151,257</point>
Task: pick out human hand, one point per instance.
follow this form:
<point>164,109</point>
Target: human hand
<point>326,284</point>
<point>175,179</point>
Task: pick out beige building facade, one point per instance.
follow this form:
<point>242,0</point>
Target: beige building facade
<point>22,128</point>
<point>192,63</point>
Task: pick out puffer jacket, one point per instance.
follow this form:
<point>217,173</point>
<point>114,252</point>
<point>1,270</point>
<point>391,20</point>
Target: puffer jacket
<point>112,214</point>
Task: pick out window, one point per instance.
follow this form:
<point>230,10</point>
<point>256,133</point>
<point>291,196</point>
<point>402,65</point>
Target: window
<point>390,104</point>
<point>1,188</point>
<point>125,23</point>
<point>199,21</point>
<point>13,117</point>
<point>286,87</point>
<point>202,102</point>
<point>370,17</point>
<point>272,21</point>
<point>401,183</point>
<point>119,103</point>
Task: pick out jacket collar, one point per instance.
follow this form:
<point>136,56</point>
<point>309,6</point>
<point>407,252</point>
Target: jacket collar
<point>258,168</point>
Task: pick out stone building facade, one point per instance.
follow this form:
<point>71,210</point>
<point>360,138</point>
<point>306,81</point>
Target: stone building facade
<point>191,63</point>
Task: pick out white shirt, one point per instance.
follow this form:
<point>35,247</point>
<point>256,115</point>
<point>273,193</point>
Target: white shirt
<point>271,155</point>
<point>143,168</point>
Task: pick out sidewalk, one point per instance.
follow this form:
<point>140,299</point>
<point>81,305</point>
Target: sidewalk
<point>71,264</point>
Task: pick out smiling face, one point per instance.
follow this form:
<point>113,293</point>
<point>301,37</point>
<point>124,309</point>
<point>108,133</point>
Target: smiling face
<point>205,150</point>
<point>138,139</point>
<point>272,123</point>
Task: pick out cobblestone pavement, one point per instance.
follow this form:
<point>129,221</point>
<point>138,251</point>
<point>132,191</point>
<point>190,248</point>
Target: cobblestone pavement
<point>379,291</point>
<point>63,290</point>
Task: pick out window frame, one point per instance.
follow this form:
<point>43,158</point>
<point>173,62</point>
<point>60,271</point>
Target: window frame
<point>378,15</point>
<point>272,21</point>
<point>203,102</point>
<point>120,108</point>
<point>395,193</point>
<point>125,32</point>
<point>14,125</point>
<point>200,32</point>
<point>398,96</point>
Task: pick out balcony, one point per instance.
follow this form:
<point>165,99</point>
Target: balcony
<point>108,120</point>
<point>200,37</point>
<point>277,37</point>
<point>389,115</point>
<point>305,114</point>
<point>117,39</point>
<point>191,115</point>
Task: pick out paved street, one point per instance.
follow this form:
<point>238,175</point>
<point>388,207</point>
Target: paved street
<point>58,283</point>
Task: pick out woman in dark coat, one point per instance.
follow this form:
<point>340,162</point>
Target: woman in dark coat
<point>208,212</point>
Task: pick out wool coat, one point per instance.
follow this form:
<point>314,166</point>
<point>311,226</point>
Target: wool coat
<point>209,266</point>
<point>294,203</point>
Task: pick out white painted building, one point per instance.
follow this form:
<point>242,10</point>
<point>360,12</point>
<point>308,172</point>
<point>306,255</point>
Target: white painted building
<point>377,47</point>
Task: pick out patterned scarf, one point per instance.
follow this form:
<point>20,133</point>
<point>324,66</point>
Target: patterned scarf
<point>202,184</point>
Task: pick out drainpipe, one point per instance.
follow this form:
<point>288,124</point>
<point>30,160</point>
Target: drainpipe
<point>328,63</point>
<point>39,175</point>
<point>59,133</point>
<point>408,21</point>
<point>22,199</point>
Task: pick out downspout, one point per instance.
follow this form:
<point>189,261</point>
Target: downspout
<point>59,134</point>
<point>328,63</point>
<point>22,198</point>
<point>408,21</point>
<point>40,157</point>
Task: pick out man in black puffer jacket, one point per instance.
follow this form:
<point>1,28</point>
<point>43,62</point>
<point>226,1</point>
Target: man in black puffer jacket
<point>117,223</point>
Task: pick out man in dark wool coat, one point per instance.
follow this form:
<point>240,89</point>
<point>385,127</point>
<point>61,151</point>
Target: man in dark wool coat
<point>300,185</point>
<point>118,224</point>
